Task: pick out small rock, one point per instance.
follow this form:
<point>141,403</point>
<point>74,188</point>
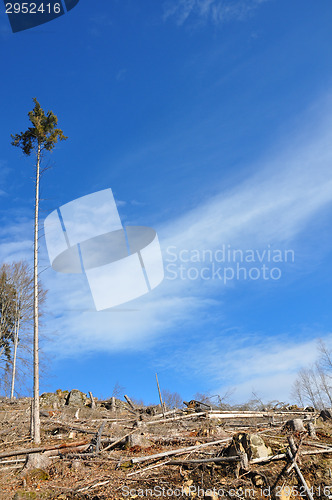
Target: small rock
<point>76,398</point>
<point>49,400</point>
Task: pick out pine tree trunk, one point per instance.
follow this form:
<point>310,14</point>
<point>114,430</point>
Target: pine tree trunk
<point>36,418</point>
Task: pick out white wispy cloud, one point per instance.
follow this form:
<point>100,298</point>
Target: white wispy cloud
<point>248,363</point>
<point>16,234</point>
<point>289,190</point>
<point>275,206</point>
<point>216,11</point>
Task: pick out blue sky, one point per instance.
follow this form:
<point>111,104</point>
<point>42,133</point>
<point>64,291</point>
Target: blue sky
<point>211,121</point>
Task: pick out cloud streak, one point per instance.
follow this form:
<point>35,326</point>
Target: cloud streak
<point>215,11</point>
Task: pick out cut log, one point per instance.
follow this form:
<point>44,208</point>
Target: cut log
<point>251,444</point>
<point>37,461</point>
<point>160,398</point>
<point>138,439</point>
<point>295,425</point>
<point>113,404</point>
<point>98,437</point>
<point>311,430</point>
<point>129,401</point>
<point>41,449</point>
<point>179,451</point>
<point>93,403</point>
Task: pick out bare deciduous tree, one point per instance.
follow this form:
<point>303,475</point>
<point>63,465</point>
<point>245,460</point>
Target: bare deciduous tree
<point>312,385</point>
<point>16,291</point>
<point>297,393</point>
<point>118,390</point>
<point>172,399</point>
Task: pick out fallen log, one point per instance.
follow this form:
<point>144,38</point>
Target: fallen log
<point>141,471</point>
<point>92,486</point>
<point>67,451</point>
<point>179,439</point>
<point>178,451</point>
<point>170,412</point>
<point>295,451</point>
<point>263,412</point>
<point>182,417</point>
<point>41,449</point>
<point>282,456</point>
<point>117,441</point>
<point>299,473</point>
<point>74,427</point>
<point>230,415</point>
<point>17,461</point>
<point>205,460</point>
<point>316,445</point>
<point>77,428</point>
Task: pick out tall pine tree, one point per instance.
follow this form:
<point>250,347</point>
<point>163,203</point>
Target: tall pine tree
<point>38,139</point>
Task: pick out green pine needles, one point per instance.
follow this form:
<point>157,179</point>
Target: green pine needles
<point>42,134</point>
